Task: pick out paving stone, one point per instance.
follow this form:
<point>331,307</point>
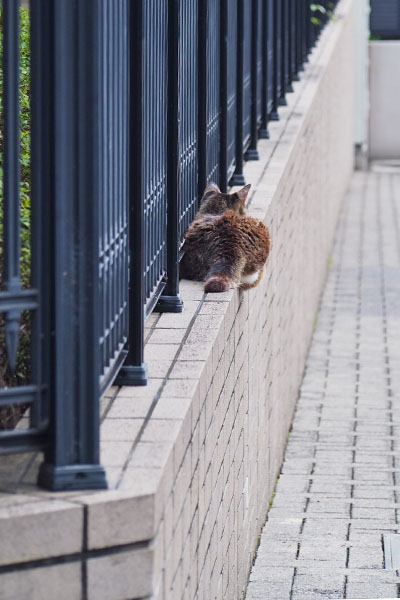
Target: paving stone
<point>371,591</point>
<point>375,512</point>
<point>271,590</point>
<point>366,557</point>
<point>272,575</point>
<point>366,491</point>
<point>318,586</point>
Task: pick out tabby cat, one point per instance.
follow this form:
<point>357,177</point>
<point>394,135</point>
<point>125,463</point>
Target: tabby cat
<point>223,246</point>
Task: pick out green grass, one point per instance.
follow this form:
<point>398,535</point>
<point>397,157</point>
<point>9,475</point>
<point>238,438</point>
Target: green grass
<point>21,374</point>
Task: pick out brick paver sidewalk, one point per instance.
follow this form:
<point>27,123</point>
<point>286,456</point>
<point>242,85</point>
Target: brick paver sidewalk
<point>338,492</point>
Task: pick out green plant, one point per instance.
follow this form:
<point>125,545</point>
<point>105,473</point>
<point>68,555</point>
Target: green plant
<point>320,9</point>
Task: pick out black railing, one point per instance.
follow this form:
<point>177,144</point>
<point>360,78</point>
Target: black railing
<point>385,19</point>
<point>135,106</point>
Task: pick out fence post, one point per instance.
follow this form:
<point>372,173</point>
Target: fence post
<point>12,273</point>
<point>252,152</point>
<point>224,97</point>
<point>274,116</point>
<point>238,177</point>
<point>264,133</point>
<point>134,370</point>
<point>284,51</point>
<point>170,300</point>
<point>292,44</point>
<point>66,170</point>
<point>202,95</point>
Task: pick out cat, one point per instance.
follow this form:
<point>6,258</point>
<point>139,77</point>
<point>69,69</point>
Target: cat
<point>223,246</point>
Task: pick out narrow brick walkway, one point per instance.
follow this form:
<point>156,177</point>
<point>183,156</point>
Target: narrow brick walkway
<point>338,492</point>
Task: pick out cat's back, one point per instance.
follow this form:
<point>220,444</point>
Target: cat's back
<point>228,226</point>
<point>251,233</point>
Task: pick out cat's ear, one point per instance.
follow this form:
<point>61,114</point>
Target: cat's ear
<point>212,188</point>
<point>242,194</point>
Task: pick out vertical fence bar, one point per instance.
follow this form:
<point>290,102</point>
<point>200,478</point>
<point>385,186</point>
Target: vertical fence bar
<point>170,300</point>
<point>292,44</point>
<point>134,370</point>
<point>238,177</point>
<point>213,85</point>
<point>276,87</point>
<point>188,111</point>
<point>224,97</point>
<point>299,37</point>
<point>202,96</point>
<point>308,25</point>
<point>268,65</point>
<point>154,152</point>
<point>113,197</point>
<point>252,152</point>
<point>41,210</point>
<point>231,82</point>
<point>284,52</point>
<point>228,90</point>
<point>247,72</point>
<point>302,28</point>
<point>209,93</point>
<point>12,277</point>
<point>263,132</point>
<point>71,185</point>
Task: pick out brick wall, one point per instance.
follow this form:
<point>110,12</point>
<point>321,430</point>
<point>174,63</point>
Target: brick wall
<point>192,458</point>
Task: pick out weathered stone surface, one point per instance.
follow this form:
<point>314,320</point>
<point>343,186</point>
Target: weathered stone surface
<point>58,581</point>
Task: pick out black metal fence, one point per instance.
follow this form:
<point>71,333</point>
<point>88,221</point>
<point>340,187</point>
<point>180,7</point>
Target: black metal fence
<point>135,106</point>
<point>385,19</point>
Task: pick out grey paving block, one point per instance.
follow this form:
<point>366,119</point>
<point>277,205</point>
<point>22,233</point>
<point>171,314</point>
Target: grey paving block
<point>325,526</point>
<point>273,575</point>
<point>366,557</point>
<point>318,586</point>
<point>372,590</point>
<point>375,512</point>
<point>261,590</point>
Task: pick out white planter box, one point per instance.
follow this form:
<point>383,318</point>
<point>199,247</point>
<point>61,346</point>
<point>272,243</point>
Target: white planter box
<point>384,124</point>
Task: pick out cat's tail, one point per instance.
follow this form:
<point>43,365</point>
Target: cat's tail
<point>218,283</point>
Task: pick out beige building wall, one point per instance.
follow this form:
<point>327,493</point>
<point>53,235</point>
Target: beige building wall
<point>193,457</point>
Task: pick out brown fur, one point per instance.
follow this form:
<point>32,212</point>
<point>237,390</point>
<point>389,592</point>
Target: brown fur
<point>223,244</point>
<point>217,283</point>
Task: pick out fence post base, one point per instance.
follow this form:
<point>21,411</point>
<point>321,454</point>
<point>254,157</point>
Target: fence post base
<point>132,375</point>
<point>171,304</point>
<point>274,116</point>
<point>252,154</point>
<point>72,477</point>
<point>263,134</point>
<point>237,179</point>
<point>282,101</point>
